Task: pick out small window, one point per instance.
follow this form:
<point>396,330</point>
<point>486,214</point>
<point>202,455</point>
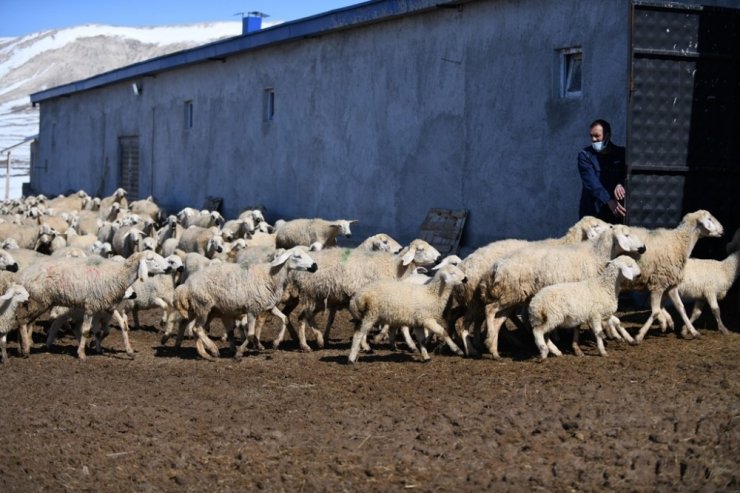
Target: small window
<point>570,72</point>
<point>269,104</point>
<point>188,115</point>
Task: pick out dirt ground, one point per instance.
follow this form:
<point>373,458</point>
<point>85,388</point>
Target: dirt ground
<point>662,416</point>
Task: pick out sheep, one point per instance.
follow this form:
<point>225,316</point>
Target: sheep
<point>156,291</point>
<point>480,262</point>
<point>570,304</point>
<point>193,262</point>
<point>148,208</point>
<point>76,201</point>
<point>309,231</point>
<point>204,219</point>
<point>237,228</point>
<point>400,303</point>
<point>254,214</point>
<point>171,229</point>
<point>8,304</point>
<point>93,284</point>
<point>206,241</point>
<point>342,271</point>
<point>34,237</point>
<point>80,241</point>
<point>118,197</point>
<point>517,277</point>
<point>663,265</point>
<point>706,281</point>
<point>233,291</point>
<point>127,240</point>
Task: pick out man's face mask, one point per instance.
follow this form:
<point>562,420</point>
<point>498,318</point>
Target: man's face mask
<point>599,145</point>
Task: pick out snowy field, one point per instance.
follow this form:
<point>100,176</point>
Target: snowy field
<point>18,176</point>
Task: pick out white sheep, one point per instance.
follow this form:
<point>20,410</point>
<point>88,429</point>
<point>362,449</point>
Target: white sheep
<point>571,304</point>
<point>310,231</point>
<point>342,271</point>
<point>149,208</point>
<point>206,241</point>
<point>663,265</point>
<point>399,303</point>
<point>118,197</point>
<point>517,277</point>
<point>35,237</point>
<point>235,291</point>
<point>204,218</point>
<point>707,281</point>
<point>93,284</point>
<point>127,240</point>
<point>8,304</point>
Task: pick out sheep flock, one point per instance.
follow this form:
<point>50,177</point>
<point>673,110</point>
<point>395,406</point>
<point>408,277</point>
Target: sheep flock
<point>92,263</point>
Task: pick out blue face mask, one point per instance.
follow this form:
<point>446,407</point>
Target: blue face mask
<point>599,145</point>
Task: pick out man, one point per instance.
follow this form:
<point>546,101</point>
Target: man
<point>603,170</point>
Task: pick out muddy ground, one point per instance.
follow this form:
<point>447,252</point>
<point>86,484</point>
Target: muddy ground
<point>662,416</point>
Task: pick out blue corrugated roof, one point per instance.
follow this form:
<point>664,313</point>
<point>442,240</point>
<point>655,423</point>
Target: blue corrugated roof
<point>345,18</point>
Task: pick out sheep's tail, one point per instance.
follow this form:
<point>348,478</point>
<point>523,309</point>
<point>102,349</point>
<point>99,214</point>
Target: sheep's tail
<point>537,316</point>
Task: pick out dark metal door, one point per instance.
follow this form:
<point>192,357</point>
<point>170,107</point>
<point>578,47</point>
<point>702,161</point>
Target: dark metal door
<point>683,137</point>
<point>129,165</point>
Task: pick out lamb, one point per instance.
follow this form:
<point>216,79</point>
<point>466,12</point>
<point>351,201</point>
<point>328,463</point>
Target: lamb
<point>481,261</point>
<point>93,284</point>
<point>588,301</point>
<point>156,291</point>
<point>398,303</point>
<point>663,265</point>
<point>309,231</point>
<point>8,305</point>
<point>206,241</point>
<point>234,291</point>
<point>148,208</point>
<point>118,197</point>
<point>707,281</point>
<point>515,278</point>
<point>204,219</point>
<point>342,271</point>
<point>127,240</point>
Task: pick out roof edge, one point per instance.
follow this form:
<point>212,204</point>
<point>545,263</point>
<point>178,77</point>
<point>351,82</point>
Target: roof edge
<point>316,25</point>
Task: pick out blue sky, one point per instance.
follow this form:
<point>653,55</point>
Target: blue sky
<point>19,17</point>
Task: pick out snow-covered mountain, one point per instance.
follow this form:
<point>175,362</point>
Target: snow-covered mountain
<point>46,59</point>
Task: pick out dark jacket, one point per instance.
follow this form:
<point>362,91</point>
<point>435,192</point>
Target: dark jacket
<point>600,174</point>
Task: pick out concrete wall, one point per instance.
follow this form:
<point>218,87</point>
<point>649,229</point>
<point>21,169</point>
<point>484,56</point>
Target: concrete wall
<point>452,109</point>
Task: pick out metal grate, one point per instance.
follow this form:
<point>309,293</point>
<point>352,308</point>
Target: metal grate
<point>128,179</point>
<point>442,228</point>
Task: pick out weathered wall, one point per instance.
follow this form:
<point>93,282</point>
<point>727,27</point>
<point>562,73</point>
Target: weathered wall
<point>453,109</point>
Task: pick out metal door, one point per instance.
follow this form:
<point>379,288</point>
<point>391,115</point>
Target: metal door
<point>129,165</point>
<point>684,118</point>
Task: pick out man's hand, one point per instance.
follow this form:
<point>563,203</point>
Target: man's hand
<point>617,209</point>
<point>619,192</point>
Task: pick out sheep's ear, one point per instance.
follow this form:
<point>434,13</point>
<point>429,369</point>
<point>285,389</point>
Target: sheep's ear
<point>408,257</point>
<point>281,259</point>
<point>352,221</point>
<point>8,295</point>
<point>143,270</point>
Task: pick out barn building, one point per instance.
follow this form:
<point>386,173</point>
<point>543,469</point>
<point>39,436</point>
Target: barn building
<point>385,109</point>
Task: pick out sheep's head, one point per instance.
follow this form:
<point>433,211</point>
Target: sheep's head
<point>175,263</point>
<point>216,218</point>
<point>151,263</point>
<point>627,266</point>
<point>295,258</point>
<point>383,243</point>
<point>15,292</point>
<point>421,253</point>
<point>343,225</point>
<point>451,275</point>
<point>7,262</point>
<point>627,241</point>
<point>215,244</point>
<point>448,260</point>
<point>707,224</point>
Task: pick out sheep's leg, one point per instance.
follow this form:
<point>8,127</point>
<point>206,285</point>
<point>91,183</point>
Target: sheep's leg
<point>137,322</point>
<point>615,323</point>
<point>655,299</point>
<point>539,340</point>
<point>327,328</point>
<point>229,327</point>
<point>598,331</point>
<point>575,343</point>
<point>665,319</point>
<point>4,348</point>
<point>124,332</point>
<point>553,348</point>
<point>673,293</point>
<point>409,341</point>
<point>288,308</point>
<point>318,335</point>
<point>470,320</point>
<point>185,326</point>
<point>204,344</point>
<point>697,310</point>
<point>85,332</point>
<point>495,318</point>
<point>251,322</point>
<point>383,334</point>
<point>359,337</point>
<point>712,299</point>
<point>419,332</point>
<point>392,333</point>
<point>54,329</point>
<point>434,327</point>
